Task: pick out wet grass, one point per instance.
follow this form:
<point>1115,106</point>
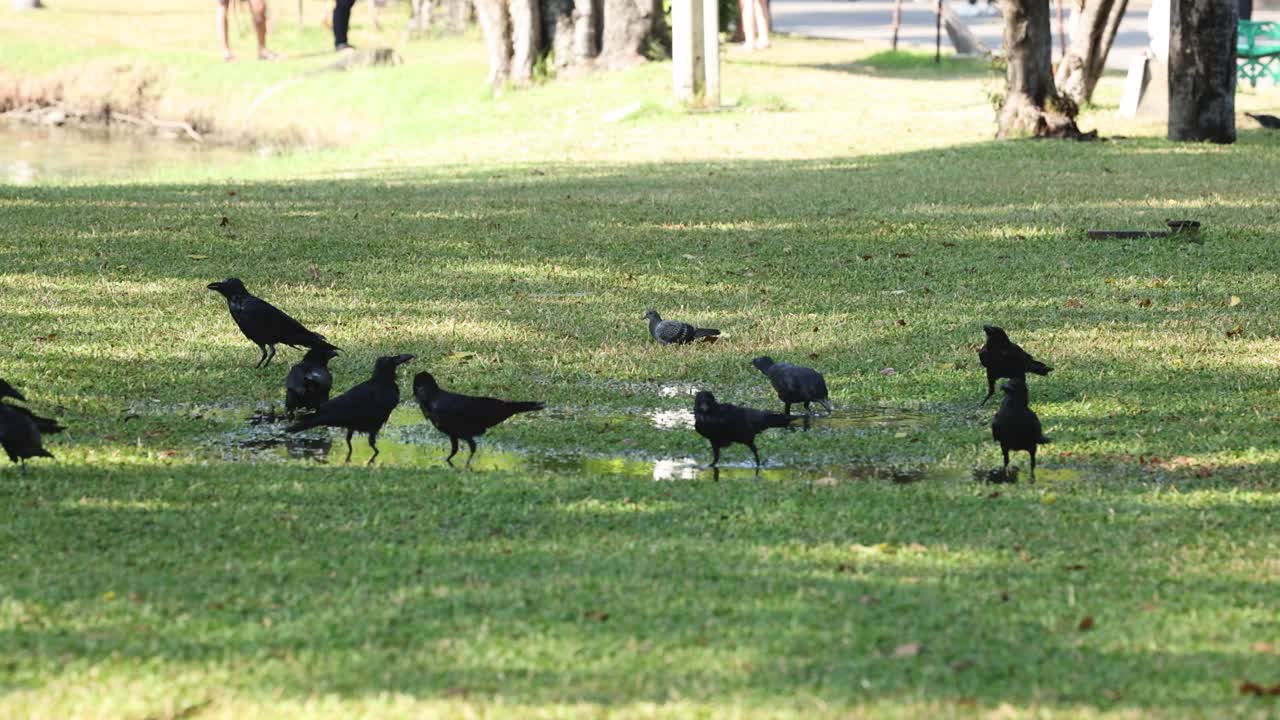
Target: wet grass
<point>178,562</point>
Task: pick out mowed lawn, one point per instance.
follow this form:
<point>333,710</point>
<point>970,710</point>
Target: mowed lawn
<point>158,568</point>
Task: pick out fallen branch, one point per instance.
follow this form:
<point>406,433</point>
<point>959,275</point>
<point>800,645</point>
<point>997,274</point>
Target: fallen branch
<point>154,122</point>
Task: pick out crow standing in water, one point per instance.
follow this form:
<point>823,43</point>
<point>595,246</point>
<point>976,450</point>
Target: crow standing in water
<point>1016,426</point>
<point>265,324</point>
<point>463,417</point>
<point>20,429</point>
<point>309,382</point>
<point>364,408</point>
<point>724,424</point>
<point>1004,359</point>
<point>794,384</point>
<point>674,332</point>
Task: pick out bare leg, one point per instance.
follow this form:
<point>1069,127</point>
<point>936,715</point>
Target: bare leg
<point>349,434</point>
<point>762,24</point>
<point>746,18</point>
<point>454,442</point>
<point>223,7</point>
<point>715,456</point>
<point>1005,450</point>
<point>807,410</point>
<point>373,443</point>
<point>786,408</point>
<point>1033,463</point>
<point>991,390</point>
<point>272,356</point>
<point>259,9</point>
<point>754,452</point>
<point>471,443</point>
<point>262,359</point>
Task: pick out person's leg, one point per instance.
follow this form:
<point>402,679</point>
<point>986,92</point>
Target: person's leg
<point>259,8</point>
<point>762,24</point>
<point>341,19</point>
<point>223,7</point>
<point>747,19</point>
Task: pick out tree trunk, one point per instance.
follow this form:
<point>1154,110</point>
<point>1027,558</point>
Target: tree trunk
<point>584,31</point>
<point>1032,105</point>
<point>628,25</point>
<point>1202,70</point>
<point>526,45</point>
<point>1094,25</point>
<point>496,26</point>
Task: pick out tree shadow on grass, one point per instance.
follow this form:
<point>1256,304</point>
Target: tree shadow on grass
<point>533,589</point>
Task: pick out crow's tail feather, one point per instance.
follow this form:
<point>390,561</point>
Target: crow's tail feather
<point>317,342</point>
<point>705,332</point>
<point>778,420</point>
<point>43,453</point>
<point>1039,368</point>
<point>519,407</point>
<point>1044,440</point>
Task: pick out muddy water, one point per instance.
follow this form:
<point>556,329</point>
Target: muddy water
<point>408,441</point>
<point>32,154</point>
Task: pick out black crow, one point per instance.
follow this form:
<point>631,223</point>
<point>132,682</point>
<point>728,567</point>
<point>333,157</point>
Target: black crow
<point>1004,359</point>
<point>1267,121</point>
<point>364,408</point>
<point>19,435</point>
<point>309,382</point>
<point>463,417</point>
<point>46,426</point>
<point>1016,426</point>
<point>674,332</point>
<point>794,384</point>
<point>265,324</point>
<point>724,424</point>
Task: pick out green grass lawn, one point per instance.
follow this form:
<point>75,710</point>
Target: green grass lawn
<point>848,213</point>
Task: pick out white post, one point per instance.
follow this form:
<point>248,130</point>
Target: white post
<point>687,54</point>
<point>711,51</point>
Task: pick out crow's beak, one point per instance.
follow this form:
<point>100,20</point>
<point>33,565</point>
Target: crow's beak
<point>215,286</point>
<point>402,359</point>
<point>987,329</point>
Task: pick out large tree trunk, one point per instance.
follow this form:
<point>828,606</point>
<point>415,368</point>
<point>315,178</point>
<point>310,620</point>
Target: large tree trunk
<point>526,46</point>
<point>1094,25</point>
<point>628,25</point>
<point>1202,70</point>
<point>520,33</point>
<point>496,25</point>
<point>1032,105</point>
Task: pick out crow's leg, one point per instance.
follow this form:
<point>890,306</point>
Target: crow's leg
<point>786,410</point>
<point>272,356</point>
<point>715,473</point>
<point>715,455</point>
<point>350,432</point>
<point>826,405</point>
<point>807,410</point>
<point>454,442</point>
<point>471,443</point>
<point>991,390</point>
<point>373,443</point>
<point>262,359</point>
<point>1033,463</point>
<point>754,452</point>
<point>1005,449</point>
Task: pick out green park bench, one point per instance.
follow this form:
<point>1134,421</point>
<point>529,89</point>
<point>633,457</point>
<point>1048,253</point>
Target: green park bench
<point>1258,51</point>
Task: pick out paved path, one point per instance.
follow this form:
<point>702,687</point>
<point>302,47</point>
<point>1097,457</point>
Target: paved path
<point>872,21</point>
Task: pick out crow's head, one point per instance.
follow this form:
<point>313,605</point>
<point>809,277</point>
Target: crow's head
<point>652,315</point>
<point>995,335</point>
<point>229,287</point>
<point>387,364</point>
<point>1015,387</point>
<point>763,363</point>
<point>425,386</point>
<point>704,402</point>
<point>7,390</point>
<point>320,355</point>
